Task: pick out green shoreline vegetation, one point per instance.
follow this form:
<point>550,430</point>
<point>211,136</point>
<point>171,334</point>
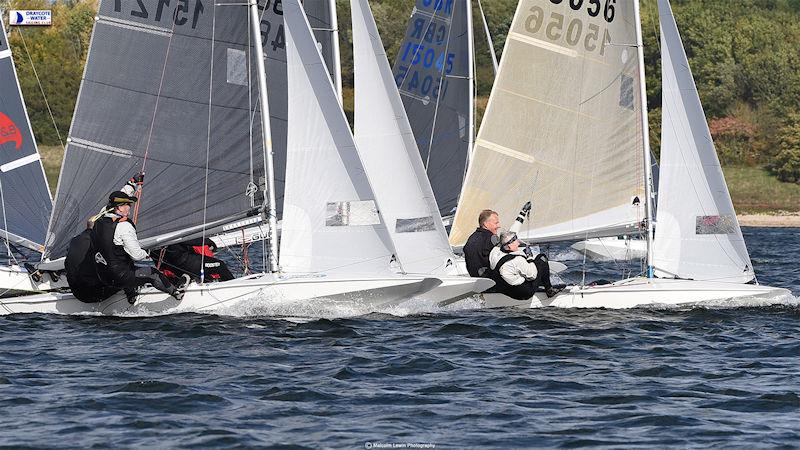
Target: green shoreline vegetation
<point>744,57</point>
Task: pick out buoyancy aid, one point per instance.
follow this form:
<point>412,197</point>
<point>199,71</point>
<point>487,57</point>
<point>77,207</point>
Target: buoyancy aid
<point>114,265</point>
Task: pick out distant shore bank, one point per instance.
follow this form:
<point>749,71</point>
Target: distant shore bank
<point>766,220</point>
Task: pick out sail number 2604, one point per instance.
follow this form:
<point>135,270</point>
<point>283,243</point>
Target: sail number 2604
<point>574,32</point>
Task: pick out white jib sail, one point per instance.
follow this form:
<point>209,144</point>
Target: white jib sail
<point>562,126</point>
<point>697,234</point>
<point>391,157</point>
<point>331,221</point>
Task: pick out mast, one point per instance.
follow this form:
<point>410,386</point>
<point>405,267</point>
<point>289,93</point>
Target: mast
<point>337,63</point>
<point>267,138</point>
<point>471,75</point>
<point>648,167</point>
<point>488,36</point>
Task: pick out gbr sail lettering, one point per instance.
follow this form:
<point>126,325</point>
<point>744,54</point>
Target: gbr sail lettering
<point>423,59</point>
<point>184,12</point>
<point>574,32</point>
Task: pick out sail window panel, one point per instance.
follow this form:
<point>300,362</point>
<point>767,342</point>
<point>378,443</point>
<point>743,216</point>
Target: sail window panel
<point>354,213</point>
<point>720,224</point>
<point>415,225</point>
<point>237,67</point>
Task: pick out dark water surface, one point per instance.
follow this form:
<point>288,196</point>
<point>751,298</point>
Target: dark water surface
<point>727,376</point>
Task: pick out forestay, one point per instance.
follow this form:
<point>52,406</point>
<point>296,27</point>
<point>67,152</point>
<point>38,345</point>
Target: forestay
<point>432,71</point>
<point>321,16</point>
<point>170,81</point>
<point>24,194</point>
<point>697,234</point>
<point>390,155</point>
<point>331,220</point>
<point>562,126</point>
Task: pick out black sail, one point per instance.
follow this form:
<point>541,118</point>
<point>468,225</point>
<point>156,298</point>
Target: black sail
<point>432,68</point>
<point>26,202</point>
<point>167,79</point>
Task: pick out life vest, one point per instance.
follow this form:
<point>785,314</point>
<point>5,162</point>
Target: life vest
<point>501,285</point>
<point>114,265</point>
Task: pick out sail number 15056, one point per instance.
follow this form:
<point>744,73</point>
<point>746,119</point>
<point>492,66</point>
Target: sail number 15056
<point>574,33</point>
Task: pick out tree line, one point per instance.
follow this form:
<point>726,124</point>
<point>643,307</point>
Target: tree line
<point>744,56</point>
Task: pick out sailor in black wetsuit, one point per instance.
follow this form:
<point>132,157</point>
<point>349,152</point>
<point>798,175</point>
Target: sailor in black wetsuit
<point>117,247</point>
<point>189,257</point>
<point>479,244</point>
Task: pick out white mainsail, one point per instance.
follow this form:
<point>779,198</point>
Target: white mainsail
<point>390,154</point>
<point>562,126</point>
<point>331,221</point>
<point>697,234</point>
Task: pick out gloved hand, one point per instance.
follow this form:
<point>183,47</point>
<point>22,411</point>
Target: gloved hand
<point>526,208</point>
<point>528,251</point>
<point>138,178</point>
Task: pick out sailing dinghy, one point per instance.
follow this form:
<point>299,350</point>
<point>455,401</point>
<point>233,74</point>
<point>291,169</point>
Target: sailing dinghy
<point>335,244</point>
<point>566,127</point>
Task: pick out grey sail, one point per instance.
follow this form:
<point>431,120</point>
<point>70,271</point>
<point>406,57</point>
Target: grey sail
<point>432,72</point>
<point>25,197</point>
<point>168,80</point>
<point>321,16</point>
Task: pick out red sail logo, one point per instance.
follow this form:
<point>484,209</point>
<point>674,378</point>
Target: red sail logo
<point>9,131</point>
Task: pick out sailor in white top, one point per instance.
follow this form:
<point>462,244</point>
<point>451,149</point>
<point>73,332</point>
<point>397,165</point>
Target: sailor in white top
<point>517,273</point>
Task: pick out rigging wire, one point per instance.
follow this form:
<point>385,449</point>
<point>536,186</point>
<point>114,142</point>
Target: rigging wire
<point>140,188</point>
<point>439,95</point>
<point>208,138</point>
<point>41,88</point>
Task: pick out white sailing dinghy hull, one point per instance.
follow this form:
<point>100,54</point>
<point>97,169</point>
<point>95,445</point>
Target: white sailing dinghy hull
<point>369,294</point>
<point>642,292</point>
<point>15,280</point>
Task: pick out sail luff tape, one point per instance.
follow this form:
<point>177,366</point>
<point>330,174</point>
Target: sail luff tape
<point>5,53</point>
<point>9,166</point>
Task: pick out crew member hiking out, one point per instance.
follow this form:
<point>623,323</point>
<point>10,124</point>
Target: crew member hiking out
<point>187,258</point>
<point>519,274</point>
<point>117,247</point>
